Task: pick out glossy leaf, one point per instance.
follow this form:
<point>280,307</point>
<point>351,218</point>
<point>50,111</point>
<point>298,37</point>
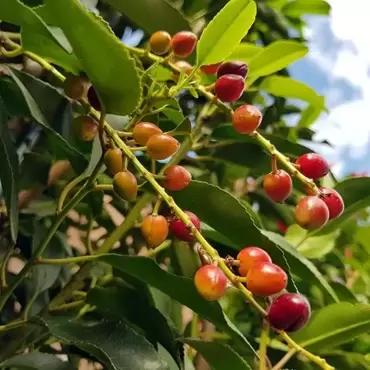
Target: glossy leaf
<point>9,173</point>
<point>92,41</point>
<point>36,361</point>
<point>287,87</point>
<point>311,113</point>
<point>245,52</point>
<point>113,343</point>
<point>58,143</point>
<point>141,13</point>
<point>34,171</point>
<point>224,33</point>
<point>297,8</point>
<point>334,325</point>
<point>177,287</point>
<point>276,56</point>
<point>218,355</point>
<point>37,36</point>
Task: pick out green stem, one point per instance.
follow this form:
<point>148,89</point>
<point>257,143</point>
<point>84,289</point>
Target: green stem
<point>27,310</point>
<point>285,359</point>
<point>90,227</point>
<point>3,269</point>
<point>160,248</point>
<point>66,261</point>
<point>67,189</point>
<point>263,345</point>
<point>68,306</point>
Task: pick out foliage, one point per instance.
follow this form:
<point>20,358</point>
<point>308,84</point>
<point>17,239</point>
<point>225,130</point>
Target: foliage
<point>87,278</point>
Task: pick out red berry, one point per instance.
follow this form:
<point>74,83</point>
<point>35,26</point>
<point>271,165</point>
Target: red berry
<point>311,213</point>
<point>210,69</point>
<point>177,178</point>
<point>265,279</point>
<point>229,88</point>
<point>183,43</point>
<point>313,166</point>
<point>246,119</point>
<point>162,146</point>
<point>179,229</point>
<point>85,127</point>
<point>233,68</point>
<point>93,98</point>
<point>249,256</point>
<point>281,226</point>
<point>160,42</point>
<point>289,312</point>
<point>210,282</point>
<point>155,230</point>
<point>143,131</point>
<point>333,201</point>
<point>278,186</point>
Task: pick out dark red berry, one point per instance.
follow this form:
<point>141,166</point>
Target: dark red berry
<point>234,67</point>
<point>183,43</point>
<point>179,229</point>
<point>229,88</point>
<point>334,202</point>
<point>278,186</point>
<point>289,312</point>
<point>246,119</point>
<point>93,98</point>
<point>210,282</point>
<point>311,213</point>
<point>313,166</point>
<point>177,178</point>
<point>248,256</point>
<point>210,69</point>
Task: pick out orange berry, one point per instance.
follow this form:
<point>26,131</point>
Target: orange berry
<point>85,127</point>
<point>311,213</point>
<point>75,87</point>
<point>249,256</point>
<point>210,282</point>
<point>160,42</point>
<point>125,185</point>
<point>278,185</point>
<point>113,159</point>
<point>143,131</point>
<point>265,279</point>
<point>246,119</point>
<point>162,146</point>
<point>155,230</point>
<point>177,178</point>
<point>184,66</point>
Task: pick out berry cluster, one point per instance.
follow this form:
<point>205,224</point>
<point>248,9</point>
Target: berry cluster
<point>288,312</point>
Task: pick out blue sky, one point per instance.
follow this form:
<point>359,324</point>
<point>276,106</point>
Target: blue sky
<point>338,67</point>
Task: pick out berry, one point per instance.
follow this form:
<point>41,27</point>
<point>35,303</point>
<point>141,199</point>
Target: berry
<point>233,68</point>
<point>113,160</point>
<point>289,312</point>
<point>265,279</point>
<point>155,230</point>
<point>93,98</point>
<point>311,213</point>
<point>333,201</point>
<point>160,42</point>
<point>143,131</point>
<point>312,165</point>
<point>86,128</point>
<point>125,185</point>
<point>210,69</point>
<point>75,87</point>
<point>249,256</point>
<point>210,282</point>
<point>184,66</point>
<point>229,88</point>
<point>162,146</point>
<point>246,119</point>
<point>183,43</point>
<point>278,186</point>
<point>179,229</point>
<point>281,226</point>
<point>177,178</point>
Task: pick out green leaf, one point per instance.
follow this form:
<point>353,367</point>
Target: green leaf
<point>9,173</point>
<point>36,36</point>
<point>311,113</point>
<point>113,343</point>
<point>334,325</point>
<point>218,355</point>
<point>92,40</point>
<point>36,361</point>
<point>141,13</point>
<point>224,33</point>
<point>123,302</point>
<point>297,8</point>
<point>355,194</point>
<point>34,171</point>
<point>226,214</point>
<point>39,113</point>
<point>245,52</point>
<point>276,56</point>
<point>179,288</point>
<point>287,87</point>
